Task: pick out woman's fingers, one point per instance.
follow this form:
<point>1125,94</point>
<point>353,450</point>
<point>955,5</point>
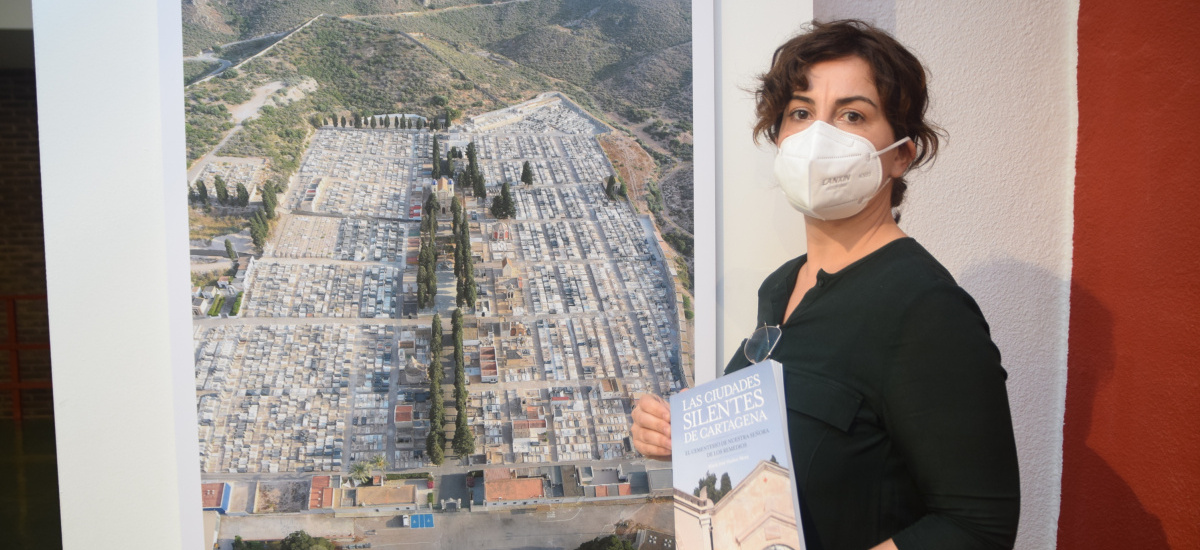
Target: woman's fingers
<point>651,431</point>
<point>651,443</point>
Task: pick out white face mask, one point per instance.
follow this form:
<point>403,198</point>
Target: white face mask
<point>827,173</point>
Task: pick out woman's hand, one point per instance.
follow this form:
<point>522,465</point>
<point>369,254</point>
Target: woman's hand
<point>652,427</point>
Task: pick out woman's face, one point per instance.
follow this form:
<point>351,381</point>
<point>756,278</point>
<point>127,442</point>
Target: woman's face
<point>841,92</point>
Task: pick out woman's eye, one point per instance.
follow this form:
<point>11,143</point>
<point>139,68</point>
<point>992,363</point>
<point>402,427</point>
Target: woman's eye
<point>852,116</point>
<point>799,114</point>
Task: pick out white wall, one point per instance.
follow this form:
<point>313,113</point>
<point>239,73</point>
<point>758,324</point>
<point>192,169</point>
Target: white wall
<point>996,208</point>
<point>756,229</point>
<point>110,95</point>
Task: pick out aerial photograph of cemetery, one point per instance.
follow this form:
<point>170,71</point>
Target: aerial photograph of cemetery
<point>439,249</point>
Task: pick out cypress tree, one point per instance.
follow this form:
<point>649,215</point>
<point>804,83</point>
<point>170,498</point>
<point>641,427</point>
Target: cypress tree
<point>464,440</point>
<point>435,342</point>
<point>221,189</point>
<point>506,200</point>
<point>201,192</point>
<point>469,283</point>
<point>526,173</point>
<point>437,159</point>
<point>229,251</point>
<point>421,287</point>
<point>243,195</point>
<point>269,200</point>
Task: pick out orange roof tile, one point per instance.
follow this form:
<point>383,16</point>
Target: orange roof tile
<point>514,489</point>
<point>320,494</point>
<point>391,494</point>
<point>213,493</point>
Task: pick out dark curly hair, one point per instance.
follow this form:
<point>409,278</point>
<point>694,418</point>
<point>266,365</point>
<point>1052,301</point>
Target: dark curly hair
<point>899,76</point>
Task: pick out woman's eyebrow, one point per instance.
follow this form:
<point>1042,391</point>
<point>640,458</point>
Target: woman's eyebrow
<point>839,102</point>
<point>852,99</point>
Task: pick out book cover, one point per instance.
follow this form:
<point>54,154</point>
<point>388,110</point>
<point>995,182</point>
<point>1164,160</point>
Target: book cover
<point>734,488</point>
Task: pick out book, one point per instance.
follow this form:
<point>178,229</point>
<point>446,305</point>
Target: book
<point>733,479</point>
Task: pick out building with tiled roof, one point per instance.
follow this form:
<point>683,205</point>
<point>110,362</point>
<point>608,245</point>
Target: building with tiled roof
<point>321,493</point>
<point>215,496</point>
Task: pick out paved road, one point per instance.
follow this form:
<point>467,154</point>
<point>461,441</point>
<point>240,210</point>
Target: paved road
<point>549,528</point>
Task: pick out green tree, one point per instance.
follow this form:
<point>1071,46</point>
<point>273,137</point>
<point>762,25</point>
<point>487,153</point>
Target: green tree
<point>300,540</point>
<point>624,192</point>
<point>258,230</point>
<point>221,189</point>
<point>709,481</point>
<point>510,209</point>
<point>239,544</point>
<point>229,251</point>
<point>360,472</point>
<point>611,188</point>
<point>243,195</point>
<point>269,200</point>
<point>610,542</point>
<point>498,210</point>
<point>378,463</point>
<point>526,174</point>
<point>464,439</point>
<point>460,372</point>
<point>343,121</point>
<point>469,283</point>
<point>201,192</point>
<point>434,445</point>
<point>421,289</point>
<point>373,123</point>
<point>437,159</point>
<point>435,342</point>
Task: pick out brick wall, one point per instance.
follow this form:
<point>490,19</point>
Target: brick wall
<point>22,245</point>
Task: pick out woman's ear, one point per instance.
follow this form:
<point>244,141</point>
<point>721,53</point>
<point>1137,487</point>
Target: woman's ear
<point>905,154</point>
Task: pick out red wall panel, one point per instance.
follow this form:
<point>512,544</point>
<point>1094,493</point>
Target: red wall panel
<point>1131,452</point>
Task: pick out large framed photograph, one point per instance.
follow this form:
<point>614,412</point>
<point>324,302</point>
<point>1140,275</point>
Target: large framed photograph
<point>438,249</point>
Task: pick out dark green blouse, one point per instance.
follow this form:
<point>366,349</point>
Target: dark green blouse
<point>897,409</point>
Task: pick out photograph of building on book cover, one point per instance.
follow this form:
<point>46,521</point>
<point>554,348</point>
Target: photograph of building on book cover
<point>438,249</point>
<point>732,486</point>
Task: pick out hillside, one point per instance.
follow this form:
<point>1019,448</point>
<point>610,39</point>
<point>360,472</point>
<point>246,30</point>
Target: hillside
<point>210,22</point>
<point>626,61</point>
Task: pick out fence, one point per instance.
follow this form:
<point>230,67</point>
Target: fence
<point>25,358</point>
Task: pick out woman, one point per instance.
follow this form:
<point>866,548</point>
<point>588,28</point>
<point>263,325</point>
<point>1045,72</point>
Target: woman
<point>898,416</point>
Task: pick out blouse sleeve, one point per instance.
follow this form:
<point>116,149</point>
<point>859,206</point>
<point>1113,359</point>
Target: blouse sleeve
<point>948,415</point>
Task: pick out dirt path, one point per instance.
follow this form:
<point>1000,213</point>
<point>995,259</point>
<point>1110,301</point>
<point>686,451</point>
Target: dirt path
<point>240,114</point>
<point>634,165</point>
<point>250,108</point>
<point>434,11</point>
